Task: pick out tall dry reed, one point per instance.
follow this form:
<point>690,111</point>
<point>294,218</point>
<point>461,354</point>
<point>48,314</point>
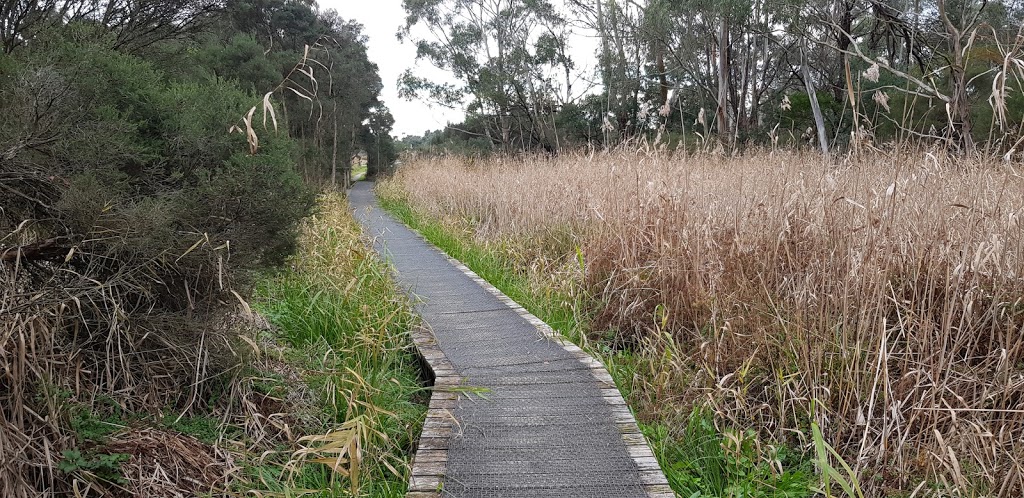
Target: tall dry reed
<point>882,297</point>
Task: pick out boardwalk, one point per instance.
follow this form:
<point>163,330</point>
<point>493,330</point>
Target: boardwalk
<point>551,423</point>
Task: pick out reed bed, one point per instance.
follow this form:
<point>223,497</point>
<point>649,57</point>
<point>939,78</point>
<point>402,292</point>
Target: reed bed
<point>880,297</point>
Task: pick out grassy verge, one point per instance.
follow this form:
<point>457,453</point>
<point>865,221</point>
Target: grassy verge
<point>340,338</point>
<point>698,461</point>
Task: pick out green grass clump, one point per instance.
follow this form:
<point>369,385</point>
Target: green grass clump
<point>703,461</point>
<point>345,323</point>
<point>106,467</point>
<point>205,428</point>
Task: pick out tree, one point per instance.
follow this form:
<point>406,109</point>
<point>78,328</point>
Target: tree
<point>742,68</point>
<point>502,52</point>
<point>131,25</point>
<point>376,139</point>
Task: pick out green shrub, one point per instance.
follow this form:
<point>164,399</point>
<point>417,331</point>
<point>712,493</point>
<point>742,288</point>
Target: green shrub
<point>106,467</point>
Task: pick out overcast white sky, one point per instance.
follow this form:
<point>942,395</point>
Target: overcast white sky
<point>381,19</point>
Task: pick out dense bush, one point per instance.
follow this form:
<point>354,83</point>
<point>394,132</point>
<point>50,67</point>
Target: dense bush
<point>126,153</point>
<point>128,215</point>
<point>137,208</point>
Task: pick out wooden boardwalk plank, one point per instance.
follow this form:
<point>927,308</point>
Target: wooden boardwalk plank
<point>489,338</point>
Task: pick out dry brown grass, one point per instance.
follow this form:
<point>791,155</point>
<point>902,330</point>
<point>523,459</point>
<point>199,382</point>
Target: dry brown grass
<point>882,297</point>
<point>65,346</point>
<point>168,463</point>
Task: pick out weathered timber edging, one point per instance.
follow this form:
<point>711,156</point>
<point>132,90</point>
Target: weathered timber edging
<point>428,464</point>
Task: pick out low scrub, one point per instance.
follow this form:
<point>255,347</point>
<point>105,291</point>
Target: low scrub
<point>319,394</point>
<point>874,301</point>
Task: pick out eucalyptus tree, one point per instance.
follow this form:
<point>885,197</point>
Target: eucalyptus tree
<point>725,57</point>
<point>829,71</point>
<point>503,54</point>
<point>381,151</point>
<point>126,25</point>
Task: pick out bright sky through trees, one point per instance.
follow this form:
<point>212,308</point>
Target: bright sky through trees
<point>381,19</point>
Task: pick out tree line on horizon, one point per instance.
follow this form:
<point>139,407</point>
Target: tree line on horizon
<point>829,74</point>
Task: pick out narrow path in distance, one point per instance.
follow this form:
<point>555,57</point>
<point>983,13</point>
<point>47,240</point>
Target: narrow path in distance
<point>550,423</point>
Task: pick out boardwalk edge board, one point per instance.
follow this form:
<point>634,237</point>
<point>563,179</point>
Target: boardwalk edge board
<point>431,457</point>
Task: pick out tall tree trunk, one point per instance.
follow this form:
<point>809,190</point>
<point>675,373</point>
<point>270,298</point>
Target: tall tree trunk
<point>503,108</point>
<point>842,35</point>
<point>742,115</point>
<point>347,169</point>
<point>606,63</point>
<point>334,149</point>
<point>755,106</point>
<point>722,114</point>
<point>819,120</point>
<point>621,103</point>
<point>659,50</point>
<point>611,86</point>
<point>960,110</point>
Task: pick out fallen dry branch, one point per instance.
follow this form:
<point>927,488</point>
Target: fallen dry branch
<point>49,249</point>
